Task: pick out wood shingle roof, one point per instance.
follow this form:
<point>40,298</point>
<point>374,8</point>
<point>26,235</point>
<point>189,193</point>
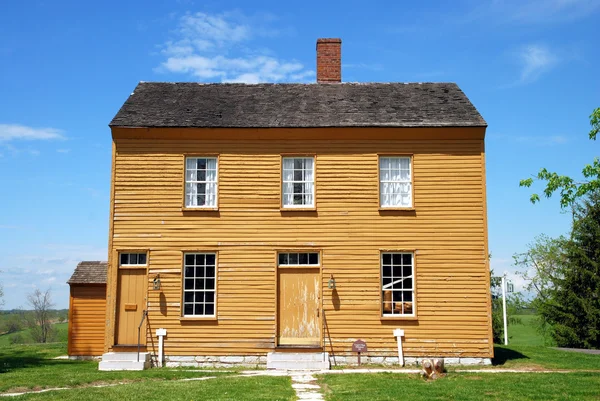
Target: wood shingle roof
<point>89,272</point>
<point>159,104</point>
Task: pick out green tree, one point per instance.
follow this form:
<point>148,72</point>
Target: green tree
<point>570,189</point>
<point>573,310</point>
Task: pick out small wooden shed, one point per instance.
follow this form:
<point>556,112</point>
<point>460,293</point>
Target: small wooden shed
<point>87,309</point>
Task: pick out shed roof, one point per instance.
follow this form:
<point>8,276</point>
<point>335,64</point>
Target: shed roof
<point>89,272</point>
<point>186,104</point>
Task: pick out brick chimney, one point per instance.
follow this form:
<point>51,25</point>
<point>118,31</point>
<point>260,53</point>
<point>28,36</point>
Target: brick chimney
<point>329,60</point>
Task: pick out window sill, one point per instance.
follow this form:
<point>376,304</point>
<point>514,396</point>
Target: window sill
<point>397,209</point>
<point>298,209</point>
<point>399,317</point>
<point>198,318</point>
<point>199,209</point>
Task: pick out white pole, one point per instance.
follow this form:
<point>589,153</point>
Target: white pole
<point>161,333</point>
<point>399,333</point>
<point>504,309</point>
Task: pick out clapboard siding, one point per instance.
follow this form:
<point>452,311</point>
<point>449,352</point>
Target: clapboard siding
<point>87,310</point>
<point>447,230</point>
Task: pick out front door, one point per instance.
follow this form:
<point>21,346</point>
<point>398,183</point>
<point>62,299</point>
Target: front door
<point>299,303</point>
<point>130,306</point>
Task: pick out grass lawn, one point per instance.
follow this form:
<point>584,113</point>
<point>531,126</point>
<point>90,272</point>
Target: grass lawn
<point>464,387</point>
<point>32,367</point>
<point>525,333</point>
<point>219,389</point>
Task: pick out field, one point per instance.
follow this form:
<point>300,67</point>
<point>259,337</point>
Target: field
<point>32,367</point>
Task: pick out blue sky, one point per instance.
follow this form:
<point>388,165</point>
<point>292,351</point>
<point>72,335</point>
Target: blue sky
<point>529,66</point>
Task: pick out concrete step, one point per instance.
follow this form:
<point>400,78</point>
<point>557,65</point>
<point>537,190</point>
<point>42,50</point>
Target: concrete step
<point>298,360</point>
<point>123,365</point>
<point>126,356</point>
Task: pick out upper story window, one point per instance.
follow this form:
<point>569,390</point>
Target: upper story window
<point>395,182</point>
<point>298,182</point>
<point>397,284</point>
<point>201,182</point>
<point>132,259</point>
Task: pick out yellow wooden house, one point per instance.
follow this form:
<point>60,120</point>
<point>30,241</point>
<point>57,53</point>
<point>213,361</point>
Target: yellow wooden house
<point>260,223</point>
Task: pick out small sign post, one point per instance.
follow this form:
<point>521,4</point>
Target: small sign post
<point>359,346</point>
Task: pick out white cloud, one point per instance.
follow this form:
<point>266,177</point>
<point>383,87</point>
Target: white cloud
<point>209,47</point>
<point>535,61</point>
<point>10,132</point>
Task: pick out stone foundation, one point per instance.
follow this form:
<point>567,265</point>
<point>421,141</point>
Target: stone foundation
<point>84,358</point>
<point>260,361</point>
<point>229,361</point>
<point>408,361</point>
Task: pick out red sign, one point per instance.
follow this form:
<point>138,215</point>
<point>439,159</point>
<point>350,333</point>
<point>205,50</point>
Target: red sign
<point>359,346</point>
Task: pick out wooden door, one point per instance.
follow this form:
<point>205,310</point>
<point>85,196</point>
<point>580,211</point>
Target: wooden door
<point>131,303</point>
<point>299,304</point>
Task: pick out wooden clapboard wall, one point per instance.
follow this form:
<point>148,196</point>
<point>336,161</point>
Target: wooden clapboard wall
<point>447,229</point>
<point>87,310</point>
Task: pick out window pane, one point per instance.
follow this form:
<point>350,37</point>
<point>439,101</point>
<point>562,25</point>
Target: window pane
<point>387,258</point>
<point>387,271</point>
<point>298,164</point>
<point>397,259</point>
<point>298,199</point>
<point>201,164</point>
<point>210,271</point>
<point>142,259</point>
<point>189,259</point>
<point>201,176</point>
<point>188,309</point>
<point>199,296</point>
<point>303,259</point>
<point>293,258</point>
<point>124,258</point>
<point>189,284</point>
<point>188,297</point>
<point>407,259</point>
<point>298,188</point>
<point>283,259</point>
<point>200,259</point>
<point>210,296</point>
<point>198,309</point>
<point>210,259</point>
<point>199,283</point>
<point>314,258</point>
<point>210,284</point>
<point>200,272</point>
<point>210,309</point>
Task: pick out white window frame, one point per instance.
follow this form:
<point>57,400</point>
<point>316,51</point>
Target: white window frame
<point>207,183</point>
<point>304,182</point>
<point>388,180</point>
<point>129,258</point>
<point>396,279</point>
<point>295,259</point>
<point>194,281</point>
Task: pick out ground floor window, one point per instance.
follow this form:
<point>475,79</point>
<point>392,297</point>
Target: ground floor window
<point>199,284</point>
<point>397,283</point>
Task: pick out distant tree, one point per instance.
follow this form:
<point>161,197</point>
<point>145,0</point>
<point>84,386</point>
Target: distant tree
<point>13,323</point>
<point>542,266</point>
<point>39,319</point>
<point>570,189</point>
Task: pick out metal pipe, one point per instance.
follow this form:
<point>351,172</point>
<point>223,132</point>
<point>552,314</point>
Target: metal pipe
<point>144,313</point>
